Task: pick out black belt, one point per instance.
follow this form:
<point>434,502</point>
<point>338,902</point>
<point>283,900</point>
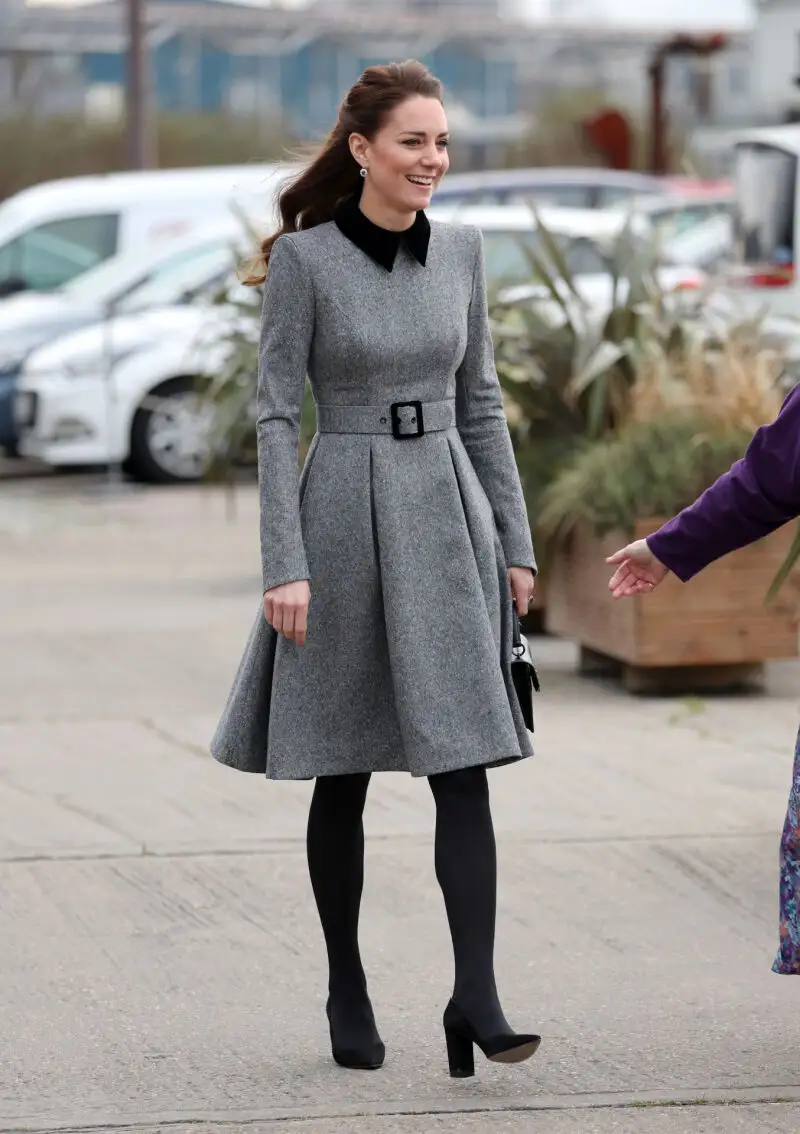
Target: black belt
<point>403,420</point>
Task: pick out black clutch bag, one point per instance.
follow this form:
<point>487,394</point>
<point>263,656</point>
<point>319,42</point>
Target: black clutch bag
<point>523,672</point>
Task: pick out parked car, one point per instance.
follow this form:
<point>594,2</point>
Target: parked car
<point>157,273</point>
<point>599,290</point>
<point>83,400</point>
<point>56,231</point>
<point>511,234</point>
<point>126,390</point>
<point>707,245</point>
<point>673,215</point>
<point>767,175</point>
<point>569,187</point>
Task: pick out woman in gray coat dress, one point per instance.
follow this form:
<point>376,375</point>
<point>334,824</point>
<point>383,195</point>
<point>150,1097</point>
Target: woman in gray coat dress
<point>390,567</point>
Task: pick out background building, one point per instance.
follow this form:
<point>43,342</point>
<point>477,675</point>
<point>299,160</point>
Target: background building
<point>288,66</point>
<point>776,60</point>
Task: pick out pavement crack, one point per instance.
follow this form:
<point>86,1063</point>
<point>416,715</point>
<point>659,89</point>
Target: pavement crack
<point>94,817</point>
<point>170,738</point>
<point>691,1098</point>
<point>297,845</point>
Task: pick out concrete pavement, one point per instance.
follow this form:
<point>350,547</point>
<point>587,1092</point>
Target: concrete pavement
<point>161,964</point>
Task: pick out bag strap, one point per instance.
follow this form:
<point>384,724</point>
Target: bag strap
<point>516,631</point>
<point>518,646</point>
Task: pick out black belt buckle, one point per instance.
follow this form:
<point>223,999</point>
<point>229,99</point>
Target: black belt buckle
<point>396,422</point>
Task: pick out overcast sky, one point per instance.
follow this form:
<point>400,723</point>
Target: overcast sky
<point>726,14</point>
<point>689,13</point>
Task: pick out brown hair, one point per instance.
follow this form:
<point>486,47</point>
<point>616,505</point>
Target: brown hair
<point>314,195</point>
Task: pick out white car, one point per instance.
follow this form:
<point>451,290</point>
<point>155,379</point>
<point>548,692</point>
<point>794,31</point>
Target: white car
<point>512,232</point>
<point>159,274</point>
<point>587,239</point>
<point>671,216</point>
<point>124,390</point>
<point>56,231</point>
<point>597,290</point>
<point>126,393</point>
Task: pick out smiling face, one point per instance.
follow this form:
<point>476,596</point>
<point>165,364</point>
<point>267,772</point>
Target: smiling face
<point>407,157</point>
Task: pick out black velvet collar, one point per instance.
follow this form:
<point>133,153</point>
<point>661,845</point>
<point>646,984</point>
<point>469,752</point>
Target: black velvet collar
<point>381,244</point>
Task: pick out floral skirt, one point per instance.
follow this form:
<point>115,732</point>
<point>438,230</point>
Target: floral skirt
<point>787,961</point>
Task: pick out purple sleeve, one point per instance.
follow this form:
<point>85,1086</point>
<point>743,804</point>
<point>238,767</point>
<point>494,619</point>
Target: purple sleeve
<point>758,494</point>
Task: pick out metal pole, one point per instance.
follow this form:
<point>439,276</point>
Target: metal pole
<point>141,151</point>
<point>658,125</point>
<point>115,483</point>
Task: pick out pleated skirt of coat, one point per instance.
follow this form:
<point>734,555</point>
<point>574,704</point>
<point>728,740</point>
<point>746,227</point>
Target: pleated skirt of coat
<point>406,666</point>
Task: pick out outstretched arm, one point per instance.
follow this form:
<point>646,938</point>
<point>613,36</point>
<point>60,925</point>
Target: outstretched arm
<point>757,495</point>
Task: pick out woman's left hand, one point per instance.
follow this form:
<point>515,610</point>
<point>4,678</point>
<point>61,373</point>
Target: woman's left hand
<point>523,587</point>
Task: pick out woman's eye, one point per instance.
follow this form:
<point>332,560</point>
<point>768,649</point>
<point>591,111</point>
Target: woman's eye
<point>442,143</point>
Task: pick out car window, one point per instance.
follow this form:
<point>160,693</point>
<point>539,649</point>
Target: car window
<point>510,257</point>
<point>704,246</point>
<point>180,278</point>
<point>470,197</point>
<point>565,196</point>
<point>610,195</point>
<point>674,222</point>
<point>766,183</point>
<point>584,258</point>
<point>48,256</point>
<point>505,257</point>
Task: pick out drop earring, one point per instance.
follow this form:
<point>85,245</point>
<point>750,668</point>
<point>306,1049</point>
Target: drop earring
<point>363,171</point>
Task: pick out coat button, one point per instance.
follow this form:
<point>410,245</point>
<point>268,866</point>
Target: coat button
<point>383,421</point>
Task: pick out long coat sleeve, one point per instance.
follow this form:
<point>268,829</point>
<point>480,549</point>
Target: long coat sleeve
<point>758,494</point>
<point>481,422</point>
<point>287,327</point>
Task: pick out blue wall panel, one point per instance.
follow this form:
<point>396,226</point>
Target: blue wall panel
<point>192,74</point>
<point>104,67</point>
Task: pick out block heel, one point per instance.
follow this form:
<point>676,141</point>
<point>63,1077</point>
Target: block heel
<point>462,1038</point>
<point>460,1055</point>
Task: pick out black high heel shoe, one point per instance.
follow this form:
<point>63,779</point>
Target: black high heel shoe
<point>367,1056</point>
<point>461,1036</point>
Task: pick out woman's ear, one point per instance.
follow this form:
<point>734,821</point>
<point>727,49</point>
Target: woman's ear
<point>358,148</point>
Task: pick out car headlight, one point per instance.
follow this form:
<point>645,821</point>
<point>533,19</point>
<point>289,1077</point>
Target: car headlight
<point>11,361</point>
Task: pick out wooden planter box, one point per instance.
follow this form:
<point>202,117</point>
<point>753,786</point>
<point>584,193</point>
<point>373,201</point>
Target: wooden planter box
<point>717,623</point>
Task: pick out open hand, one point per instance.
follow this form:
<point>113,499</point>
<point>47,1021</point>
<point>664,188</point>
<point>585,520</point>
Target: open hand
<point>638,571</point>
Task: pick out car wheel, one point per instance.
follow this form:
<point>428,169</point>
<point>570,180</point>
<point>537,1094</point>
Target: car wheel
<point>169,435</point>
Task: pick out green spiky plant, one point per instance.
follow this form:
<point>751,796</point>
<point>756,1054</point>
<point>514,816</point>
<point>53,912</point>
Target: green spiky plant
<point>693,410</point>
<point>633,412</point>
<point>567,369</point>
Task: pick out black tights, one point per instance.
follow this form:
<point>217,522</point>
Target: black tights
<point>466,868</point>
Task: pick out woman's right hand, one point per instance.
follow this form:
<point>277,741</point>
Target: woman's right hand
<point>286,609</point>
<point>638,571</point>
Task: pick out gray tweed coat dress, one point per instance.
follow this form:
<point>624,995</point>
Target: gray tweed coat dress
<point>403,519</point>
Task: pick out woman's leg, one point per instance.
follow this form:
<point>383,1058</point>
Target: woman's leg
<point>466,868</point>
<point>335,845</point>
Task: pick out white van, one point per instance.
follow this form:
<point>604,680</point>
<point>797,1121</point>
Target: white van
<point>767,179</point>
<point>55,231</point>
